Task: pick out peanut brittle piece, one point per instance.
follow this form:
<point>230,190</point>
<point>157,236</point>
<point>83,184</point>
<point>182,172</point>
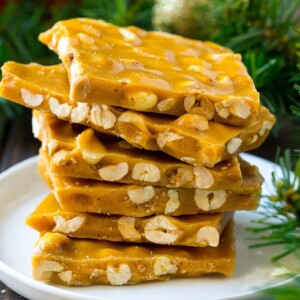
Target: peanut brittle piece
<point>82,153</point>
<point>153,71</point>
<point>81,262</point>
<point>200,230</point>
<point>190,138</point>
<point>84,195</point>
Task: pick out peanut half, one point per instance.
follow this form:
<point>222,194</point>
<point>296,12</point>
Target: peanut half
<point>67,226</point>
<point>163,266</point>
<point>203,178</point>
<point>233,145</point>
<point>135,119</point>
<point>45,268</point>
<point>166,104</point>
<point>208,236</point>
<point>127,229</point>
<point>66,276</point>
<point>120,276</point>
<point>146,172</point>
<point>114,172</point>
<point>160,230</point>
<point>101,116</point>
<point>203,201</point>
<point>142,100</point>
<point>62,111</point>
<point>141,195</point>
<point>174,203</point>
<point>266,126</point>
<point>167,137</point>
<point>32,100</point>
<point>80,112</point>
<point>91,148</point>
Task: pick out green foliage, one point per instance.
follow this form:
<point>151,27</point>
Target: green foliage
<point>280,218</point>
<point>22,21</point>
<point>267,34</point>
<point>296,111</point>
<point>20,24</point>
<point>119,12</point>
<point>286,292</point>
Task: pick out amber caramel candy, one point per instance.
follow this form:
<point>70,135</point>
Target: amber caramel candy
<point>200,230</point>
<point>84,195</point>
<point>69,261</point>
<point>190,138</point>
<point>153,71</point>
<point>80,152</point>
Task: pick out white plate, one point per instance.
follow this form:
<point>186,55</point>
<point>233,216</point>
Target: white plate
<point>22,189</point>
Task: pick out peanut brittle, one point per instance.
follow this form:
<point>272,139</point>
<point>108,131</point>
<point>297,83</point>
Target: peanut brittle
<point>81,262</point>
<point>200,230</point>
<point>84,195</point>
<point>80,152</point>
<point>190,138</point>
<point>153,71</point>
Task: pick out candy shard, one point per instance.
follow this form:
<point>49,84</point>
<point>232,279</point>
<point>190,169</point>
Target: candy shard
<point>91,195</point>
<point>196,231</point>
<point>190,137</point>
<point>188,72</point>
<point>101,262</point>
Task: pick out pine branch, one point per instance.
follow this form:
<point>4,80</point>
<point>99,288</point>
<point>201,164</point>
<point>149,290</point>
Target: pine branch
<point>296,111</point>
<point>279,223</point>
<point>267,35</point>
<point>18,40</point>
<point>263,31</point>
<point>119,12</point>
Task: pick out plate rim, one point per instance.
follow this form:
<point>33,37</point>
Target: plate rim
<point>52,290</point>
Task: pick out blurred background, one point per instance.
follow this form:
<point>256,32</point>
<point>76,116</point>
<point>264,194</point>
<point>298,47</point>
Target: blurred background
<point>266,33</point>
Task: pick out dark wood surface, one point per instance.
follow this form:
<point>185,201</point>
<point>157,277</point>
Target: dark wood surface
<point>18,144</point>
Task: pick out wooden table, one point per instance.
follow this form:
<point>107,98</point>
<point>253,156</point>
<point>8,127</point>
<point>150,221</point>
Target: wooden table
<point>19,144</point>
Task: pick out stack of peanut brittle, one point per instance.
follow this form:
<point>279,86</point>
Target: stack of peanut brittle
<point>140,136</point>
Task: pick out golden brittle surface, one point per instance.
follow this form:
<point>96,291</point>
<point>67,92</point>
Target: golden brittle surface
<point>152,71</point>
<point>190,138</point>
<point>67,261</point>
<point>85,195</point>
<point>200,230</point>
<point>80,152</point>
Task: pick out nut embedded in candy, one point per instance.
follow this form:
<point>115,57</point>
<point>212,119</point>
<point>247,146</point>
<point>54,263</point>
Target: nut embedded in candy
<point>114,173</point>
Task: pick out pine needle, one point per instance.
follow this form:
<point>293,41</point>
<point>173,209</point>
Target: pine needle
<point>280,221</point>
